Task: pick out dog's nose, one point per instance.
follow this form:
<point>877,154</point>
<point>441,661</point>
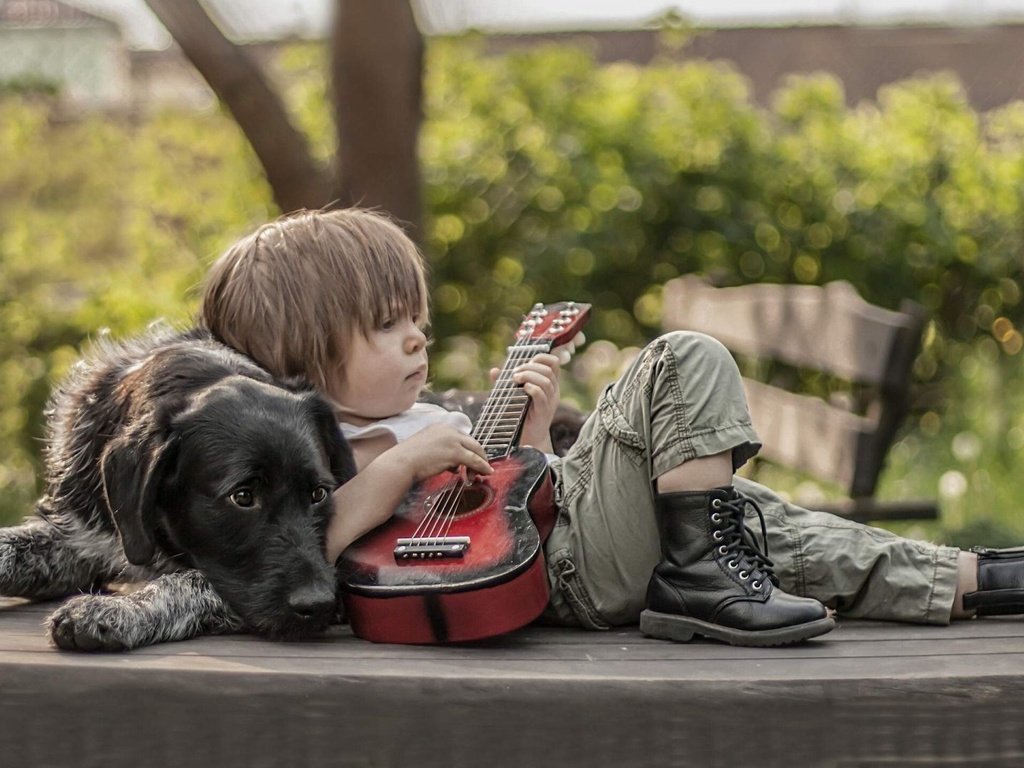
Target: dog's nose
<point>312,601</point>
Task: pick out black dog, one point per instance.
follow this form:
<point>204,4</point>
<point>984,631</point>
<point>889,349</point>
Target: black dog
<point>176,461</point>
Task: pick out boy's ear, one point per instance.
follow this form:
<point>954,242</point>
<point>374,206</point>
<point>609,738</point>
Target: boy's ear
<point>339,453</point>
<point>133,469</point>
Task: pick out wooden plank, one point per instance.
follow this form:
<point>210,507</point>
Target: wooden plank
<point>874,510</point>
<point>806,433</point>
<point>869,693</point>
<point>828,328</point>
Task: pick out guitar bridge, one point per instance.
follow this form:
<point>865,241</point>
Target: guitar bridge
<point>431,547</point>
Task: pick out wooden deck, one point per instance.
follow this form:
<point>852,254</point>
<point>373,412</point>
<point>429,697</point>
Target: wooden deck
<point>868,694</point>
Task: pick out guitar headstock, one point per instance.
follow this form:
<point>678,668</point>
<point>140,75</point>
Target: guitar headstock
<point>556,323</point>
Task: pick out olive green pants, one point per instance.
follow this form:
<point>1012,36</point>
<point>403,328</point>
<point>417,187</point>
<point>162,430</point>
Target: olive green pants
<point>683,399</point>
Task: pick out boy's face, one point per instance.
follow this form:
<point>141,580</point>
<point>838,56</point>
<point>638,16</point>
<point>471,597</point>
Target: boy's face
<point>383,372</point>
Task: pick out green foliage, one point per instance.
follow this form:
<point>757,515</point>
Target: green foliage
<point>107,225</point>
<point>549,176</point>
<point>606,181</point>
<point>35,85</point>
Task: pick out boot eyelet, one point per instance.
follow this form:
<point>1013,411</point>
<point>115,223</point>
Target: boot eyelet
<point>756,586</point>
<point>716,518</point>
<point>717,535</point>
<point>716,503</point>
<point>733,565</point>
<point>723,550</point>
<point>743,575</point>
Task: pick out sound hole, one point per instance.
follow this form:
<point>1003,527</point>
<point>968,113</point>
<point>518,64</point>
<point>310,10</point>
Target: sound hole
<point>470,499</point>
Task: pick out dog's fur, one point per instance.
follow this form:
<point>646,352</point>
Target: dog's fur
<point>174,460</point>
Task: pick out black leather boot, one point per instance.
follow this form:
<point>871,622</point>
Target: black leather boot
<point>1000,582</point>
<point>713,580</point>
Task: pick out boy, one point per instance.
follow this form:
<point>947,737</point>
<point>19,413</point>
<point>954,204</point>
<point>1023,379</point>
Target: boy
<point>651,523</point>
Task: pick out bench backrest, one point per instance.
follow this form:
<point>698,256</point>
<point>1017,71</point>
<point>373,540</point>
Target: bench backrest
<point>829,329</point>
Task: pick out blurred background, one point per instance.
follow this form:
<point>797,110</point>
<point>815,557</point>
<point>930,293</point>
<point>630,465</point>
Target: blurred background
<point>588,151</point>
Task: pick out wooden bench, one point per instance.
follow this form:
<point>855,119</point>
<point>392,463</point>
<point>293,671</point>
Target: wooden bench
<point>867,694</point>
<point>783,330</point>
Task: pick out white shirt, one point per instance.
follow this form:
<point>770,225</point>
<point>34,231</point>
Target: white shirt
<point>406,424</point>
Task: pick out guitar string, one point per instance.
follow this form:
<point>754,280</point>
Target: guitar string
<point>500,411</point>
<point>440,518</point>
<point>447,499</point>
<point>525,353</point>
<point>495,412</point>
<point>494,408</point>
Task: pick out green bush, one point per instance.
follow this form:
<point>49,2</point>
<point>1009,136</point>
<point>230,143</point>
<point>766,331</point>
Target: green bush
<point>549,176</point>
<point>106,225</point>
<point>606,181</point>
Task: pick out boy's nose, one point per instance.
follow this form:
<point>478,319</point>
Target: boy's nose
<point>416,340</point>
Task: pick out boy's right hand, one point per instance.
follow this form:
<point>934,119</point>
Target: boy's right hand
<point>437,448</point>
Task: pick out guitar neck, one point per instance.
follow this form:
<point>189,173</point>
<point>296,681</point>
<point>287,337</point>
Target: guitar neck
<point>545,327</point>
<point>504,411</point>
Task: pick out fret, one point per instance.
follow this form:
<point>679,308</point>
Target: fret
<point>498,402</point>
<point>526,351</point>
<point>497,439</point>
<point>502,415</point>
<point>500,409</point>
<point>503,412</point>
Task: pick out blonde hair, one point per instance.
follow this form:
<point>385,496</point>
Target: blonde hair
<point>291,294</point>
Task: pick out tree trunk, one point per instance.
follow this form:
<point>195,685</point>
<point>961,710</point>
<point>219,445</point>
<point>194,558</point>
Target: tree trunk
<point>378,71</point>
<point>295,178</point>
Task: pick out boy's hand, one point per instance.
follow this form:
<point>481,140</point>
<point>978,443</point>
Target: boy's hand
<point>539,379</point>
<point>564,353</point>
<point>435,449</point>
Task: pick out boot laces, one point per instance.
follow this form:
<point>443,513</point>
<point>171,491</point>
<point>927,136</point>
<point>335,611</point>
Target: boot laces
<point>737,542</point>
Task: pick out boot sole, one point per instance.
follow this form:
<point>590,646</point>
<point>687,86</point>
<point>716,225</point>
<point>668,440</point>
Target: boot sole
<point>681,629</point>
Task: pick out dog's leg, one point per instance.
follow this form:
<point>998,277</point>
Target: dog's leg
<point>39,560</point>
<point>175,606</point>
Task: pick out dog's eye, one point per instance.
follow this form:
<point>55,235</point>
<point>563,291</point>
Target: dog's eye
<point>320,494</point>
<point>242,497</point>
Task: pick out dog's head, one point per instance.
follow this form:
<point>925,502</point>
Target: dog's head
<point>238,482</point>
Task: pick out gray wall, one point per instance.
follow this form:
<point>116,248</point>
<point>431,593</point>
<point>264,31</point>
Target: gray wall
<point>988,59</point>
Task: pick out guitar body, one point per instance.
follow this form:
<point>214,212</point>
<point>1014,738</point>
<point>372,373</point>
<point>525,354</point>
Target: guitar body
<point>498,584</point>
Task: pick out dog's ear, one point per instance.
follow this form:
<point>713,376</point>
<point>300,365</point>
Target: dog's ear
<point>339,453</point>
<point>133,469</point>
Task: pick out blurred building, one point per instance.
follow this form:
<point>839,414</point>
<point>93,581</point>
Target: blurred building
<point>987,58</point>
<point>46,43</point>
<point>75,45</point>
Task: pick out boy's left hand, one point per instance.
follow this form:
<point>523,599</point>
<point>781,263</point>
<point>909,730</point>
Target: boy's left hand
<point>539,379</point>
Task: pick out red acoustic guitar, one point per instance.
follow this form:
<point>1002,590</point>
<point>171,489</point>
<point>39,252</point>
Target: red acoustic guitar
<point>462,560</point>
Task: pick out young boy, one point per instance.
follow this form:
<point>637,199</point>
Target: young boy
<point>651,519</point>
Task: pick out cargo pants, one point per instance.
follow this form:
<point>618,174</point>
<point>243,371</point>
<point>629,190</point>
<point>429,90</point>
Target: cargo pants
<point>682,398</point>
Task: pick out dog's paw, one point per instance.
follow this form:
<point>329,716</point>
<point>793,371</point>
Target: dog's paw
<point>91,623</point>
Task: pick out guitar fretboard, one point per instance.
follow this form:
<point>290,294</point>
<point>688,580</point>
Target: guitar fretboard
<point>504,411</point>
